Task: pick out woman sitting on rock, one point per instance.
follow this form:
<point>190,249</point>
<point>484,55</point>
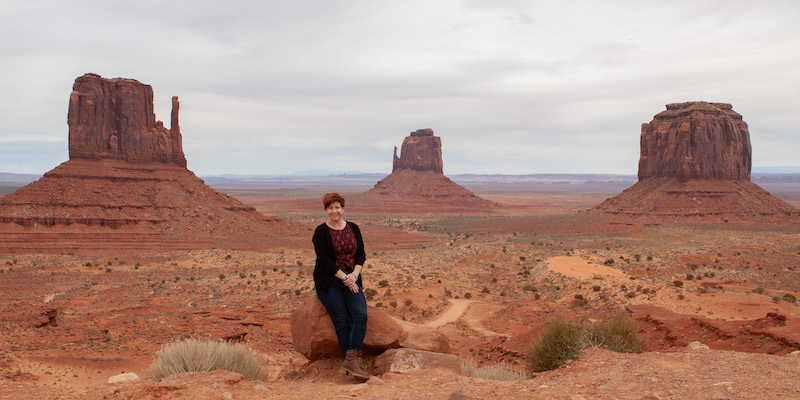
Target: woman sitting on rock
<point>337,280</point>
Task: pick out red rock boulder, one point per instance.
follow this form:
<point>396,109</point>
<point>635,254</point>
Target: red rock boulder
<point>314,337</point>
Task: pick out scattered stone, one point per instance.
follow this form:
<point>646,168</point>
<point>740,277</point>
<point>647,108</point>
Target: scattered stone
<point>126,377</point>
<point>697,346</point>
<point>375,380</point>
<point>719,396</point>
<point>405,360</point>
<point>459,396</point>
<point>357,389</point>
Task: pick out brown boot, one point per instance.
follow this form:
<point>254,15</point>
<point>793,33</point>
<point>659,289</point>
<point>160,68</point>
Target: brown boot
<point>350,365</point>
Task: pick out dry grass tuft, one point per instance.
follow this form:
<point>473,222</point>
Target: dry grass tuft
<point>196,355</point>
<point>497,372</point>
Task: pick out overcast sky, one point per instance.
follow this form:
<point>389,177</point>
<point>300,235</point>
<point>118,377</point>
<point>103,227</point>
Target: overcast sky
<point>511,86</point>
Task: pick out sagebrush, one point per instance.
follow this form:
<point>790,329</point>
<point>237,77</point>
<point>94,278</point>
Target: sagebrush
<point>561,340</point>
<point>193,355</point>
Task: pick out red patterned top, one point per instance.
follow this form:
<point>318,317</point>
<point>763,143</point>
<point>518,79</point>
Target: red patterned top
<point>344,243</point>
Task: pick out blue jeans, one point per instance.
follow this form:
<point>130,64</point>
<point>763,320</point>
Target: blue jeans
<point>348,312</point>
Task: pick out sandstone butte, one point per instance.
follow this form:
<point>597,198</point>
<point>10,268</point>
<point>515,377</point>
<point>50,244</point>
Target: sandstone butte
<point>694,165</point>
<point>417,177</point>
<point>126,186</point>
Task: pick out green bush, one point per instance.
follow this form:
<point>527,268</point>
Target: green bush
<point>196,355</point>
<point>558,342</point>
<point>498,372</point>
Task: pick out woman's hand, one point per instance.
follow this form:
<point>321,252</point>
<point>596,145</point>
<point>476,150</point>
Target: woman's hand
<point>353,287</point>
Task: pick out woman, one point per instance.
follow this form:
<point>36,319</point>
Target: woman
<point>337,280</point>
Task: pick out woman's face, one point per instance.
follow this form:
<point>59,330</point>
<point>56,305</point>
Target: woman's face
<point>334,211</point>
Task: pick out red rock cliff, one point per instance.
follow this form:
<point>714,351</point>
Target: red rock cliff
<point>114,119</point>
<point>696,140</point>
<point>421,152</point>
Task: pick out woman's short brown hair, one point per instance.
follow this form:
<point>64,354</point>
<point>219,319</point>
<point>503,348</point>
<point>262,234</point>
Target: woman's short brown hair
<point>331,198</point>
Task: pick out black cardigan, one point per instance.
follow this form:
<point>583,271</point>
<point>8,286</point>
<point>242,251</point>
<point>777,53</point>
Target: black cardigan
<point>325,267</point>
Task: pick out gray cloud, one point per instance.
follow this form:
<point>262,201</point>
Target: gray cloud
<point>271,87</point>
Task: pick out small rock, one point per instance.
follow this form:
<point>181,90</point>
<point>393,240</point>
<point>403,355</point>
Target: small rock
<point>459,396</point>
<point>375,380</point>
<point>126,377</point>
<point>720,396</point>
<point>795,353</point>
<point>358,388</point>
<point>227,395</point>
<point>696,346</point>
<point>652,396</point>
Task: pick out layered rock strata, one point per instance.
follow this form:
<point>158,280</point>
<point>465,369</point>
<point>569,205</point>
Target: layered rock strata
<point>417,175</point>
<point>126,186</point>
<point>695,166</point>
<point>695,140</point>
<point>113,119</point>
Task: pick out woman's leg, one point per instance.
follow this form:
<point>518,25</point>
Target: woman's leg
<point>335,302</point>
<point>357,307</point>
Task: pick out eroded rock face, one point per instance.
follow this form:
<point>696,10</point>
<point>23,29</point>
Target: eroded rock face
<point>114,119</point>
<point>417,176</point>
<point>695,167</point>
<point>126,187</point>
<point>696,140</point>
<point>421,151</point>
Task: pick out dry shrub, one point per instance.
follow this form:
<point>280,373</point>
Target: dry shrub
<point>497,372</point>
<point>619,333</point>
<point>561,340</point>
<point>196,355</point>
<point>558,342</point>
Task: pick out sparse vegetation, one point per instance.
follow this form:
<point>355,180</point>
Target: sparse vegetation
<point>195,355</point>
<point>558,342</point>
<point>561,340</point>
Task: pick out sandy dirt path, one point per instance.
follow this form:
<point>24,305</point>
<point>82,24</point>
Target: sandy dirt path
<point>452,313</point>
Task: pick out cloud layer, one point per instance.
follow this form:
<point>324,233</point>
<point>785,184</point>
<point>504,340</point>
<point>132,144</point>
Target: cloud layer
<point>273,87</point>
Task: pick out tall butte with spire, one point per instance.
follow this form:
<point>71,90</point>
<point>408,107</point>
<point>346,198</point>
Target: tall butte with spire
<point>125,186</point>
<point>417,177</point>
<point>694,165</point>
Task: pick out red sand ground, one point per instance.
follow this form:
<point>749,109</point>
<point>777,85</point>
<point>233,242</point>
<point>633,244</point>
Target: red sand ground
<point>71,321</point>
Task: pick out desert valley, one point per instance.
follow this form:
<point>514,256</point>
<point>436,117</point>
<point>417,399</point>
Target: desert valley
<point>122,249</point>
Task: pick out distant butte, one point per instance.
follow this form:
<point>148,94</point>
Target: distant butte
<point>694,165</point>
<point>125,186</point>
<point>417,176</point>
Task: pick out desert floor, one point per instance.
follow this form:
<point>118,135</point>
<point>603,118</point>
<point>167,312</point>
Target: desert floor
<point>489,280</point>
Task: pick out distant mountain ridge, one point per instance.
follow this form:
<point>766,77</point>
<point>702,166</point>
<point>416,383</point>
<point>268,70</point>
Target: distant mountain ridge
<point>366,179</point>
